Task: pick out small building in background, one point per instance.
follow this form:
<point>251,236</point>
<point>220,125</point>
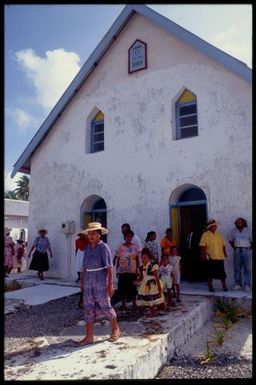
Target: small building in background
<point>16,217</point>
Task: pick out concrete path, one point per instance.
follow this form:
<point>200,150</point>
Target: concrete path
<point>144,347</point>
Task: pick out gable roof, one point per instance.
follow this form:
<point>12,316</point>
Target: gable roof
<point>234,65</point>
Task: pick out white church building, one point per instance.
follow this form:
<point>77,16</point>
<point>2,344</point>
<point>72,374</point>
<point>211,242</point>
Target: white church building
<point>155,130</point>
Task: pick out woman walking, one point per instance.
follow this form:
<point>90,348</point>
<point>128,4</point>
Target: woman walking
<point>40,260</point>
<point>8,251</point>
<point>97,284</point>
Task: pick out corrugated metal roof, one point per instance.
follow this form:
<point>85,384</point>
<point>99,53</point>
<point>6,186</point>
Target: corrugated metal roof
<point>234,65</point>
<point>16,207</point>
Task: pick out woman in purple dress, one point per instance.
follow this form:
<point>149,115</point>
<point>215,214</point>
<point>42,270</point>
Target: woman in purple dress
<point>97,284</point>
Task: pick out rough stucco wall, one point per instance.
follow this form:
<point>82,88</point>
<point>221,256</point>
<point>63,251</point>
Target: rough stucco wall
<point>142,164</point>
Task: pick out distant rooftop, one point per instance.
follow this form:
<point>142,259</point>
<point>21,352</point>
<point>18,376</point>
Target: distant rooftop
<point>16,207</point>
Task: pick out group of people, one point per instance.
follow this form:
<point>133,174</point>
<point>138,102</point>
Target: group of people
<point>128,261</point>
<point>213,250</point>
<point>14,253</point>
<point>143,274</point>
<point>143,268</point>
<point>148,275</point>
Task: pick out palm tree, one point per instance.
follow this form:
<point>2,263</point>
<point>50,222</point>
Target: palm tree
<point>22,191</point>
<point>10,195</point>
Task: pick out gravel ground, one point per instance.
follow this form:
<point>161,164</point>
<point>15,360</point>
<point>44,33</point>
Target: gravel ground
<point>231,359</point>
<point>45,319</point>
<point>187,367</point>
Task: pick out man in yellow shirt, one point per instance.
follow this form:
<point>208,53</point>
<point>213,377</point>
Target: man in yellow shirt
<point>212,247</point>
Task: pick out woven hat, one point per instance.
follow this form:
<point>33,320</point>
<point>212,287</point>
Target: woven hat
<point>211,222</point>
<point>94,226</point>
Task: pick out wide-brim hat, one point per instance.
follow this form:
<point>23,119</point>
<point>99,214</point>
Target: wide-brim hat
<point>42,229</point>
<point>211,222</point>
<point>94,226</point>
<point>7,230</point>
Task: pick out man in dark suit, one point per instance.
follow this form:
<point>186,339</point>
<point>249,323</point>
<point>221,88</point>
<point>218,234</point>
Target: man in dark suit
<point>195,264</point>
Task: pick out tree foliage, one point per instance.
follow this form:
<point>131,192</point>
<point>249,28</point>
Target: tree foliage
<point>22,190</point>
<point>10,195</point>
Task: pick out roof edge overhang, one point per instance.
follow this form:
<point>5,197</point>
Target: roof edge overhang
<point>238,67</point>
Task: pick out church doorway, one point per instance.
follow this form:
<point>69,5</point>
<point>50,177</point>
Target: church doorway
<point>188,216</point>
<point>94,209</point>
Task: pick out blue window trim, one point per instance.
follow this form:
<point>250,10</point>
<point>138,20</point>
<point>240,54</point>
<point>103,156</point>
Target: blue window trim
<point>178,128</point>
<point>95,123</point>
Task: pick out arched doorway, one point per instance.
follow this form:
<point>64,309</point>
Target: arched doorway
<point>188,215</point>
<point>94,209</point>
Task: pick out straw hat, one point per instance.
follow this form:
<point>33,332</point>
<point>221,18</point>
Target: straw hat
<point>211,222</point>
<point>94,226</point>
<point>7,230</point>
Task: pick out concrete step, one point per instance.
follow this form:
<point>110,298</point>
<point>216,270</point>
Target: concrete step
<point>144,347</point>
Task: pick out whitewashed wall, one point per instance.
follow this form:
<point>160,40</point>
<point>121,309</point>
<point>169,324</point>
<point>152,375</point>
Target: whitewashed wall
<point>142,164</point>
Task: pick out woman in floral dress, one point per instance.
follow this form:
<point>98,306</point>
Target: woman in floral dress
<point>127,268</point>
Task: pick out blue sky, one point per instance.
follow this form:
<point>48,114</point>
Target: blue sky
<point>46,45</point>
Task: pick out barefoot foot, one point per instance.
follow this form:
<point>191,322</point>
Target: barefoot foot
<point>84,341</point>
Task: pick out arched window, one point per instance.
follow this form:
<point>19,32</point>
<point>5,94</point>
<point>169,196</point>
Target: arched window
<point>186,115</point>
<point>97,133</point>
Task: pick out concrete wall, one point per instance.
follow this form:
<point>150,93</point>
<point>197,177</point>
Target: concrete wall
<point>142,164</point>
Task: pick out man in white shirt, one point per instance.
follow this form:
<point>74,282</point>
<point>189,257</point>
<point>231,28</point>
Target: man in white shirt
<point>240,240</point>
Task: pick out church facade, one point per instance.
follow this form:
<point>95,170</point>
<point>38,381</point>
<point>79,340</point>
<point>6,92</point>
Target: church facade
<point>155,130</point>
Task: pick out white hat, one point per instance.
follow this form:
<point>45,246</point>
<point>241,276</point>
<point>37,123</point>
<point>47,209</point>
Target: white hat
<point>211,222</point>
<point>41,229</point>
<point>7,230</point>
<point>94,226</point>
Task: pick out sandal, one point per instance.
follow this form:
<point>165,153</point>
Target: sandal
<point>114,336</point>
